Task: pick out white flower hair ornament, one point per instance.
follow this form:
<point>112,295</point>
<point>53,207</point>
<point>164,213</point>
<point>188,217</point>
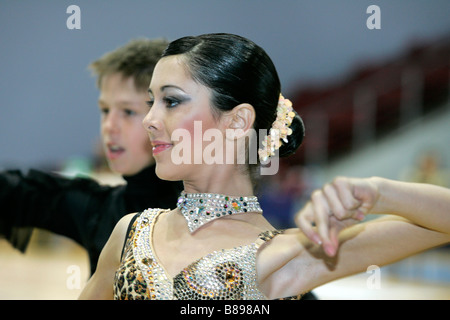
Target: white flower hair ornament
<point>279,131</point>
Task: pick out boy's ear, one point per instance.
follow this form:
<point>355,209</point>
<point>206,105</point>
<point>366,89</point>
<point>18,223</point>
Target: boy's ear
<point>241,118</point>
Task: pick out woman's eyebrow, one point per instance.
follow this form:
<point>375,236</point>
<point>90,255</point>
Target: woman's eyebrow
<point>163,88</point>
<point>166,87</point>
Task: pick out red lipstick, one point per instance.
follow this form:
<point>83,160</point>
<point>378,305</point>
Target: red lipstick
<point>160,146</point>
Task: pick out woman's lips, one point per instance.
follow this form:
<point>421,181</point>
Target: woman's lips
<point>159,147</point>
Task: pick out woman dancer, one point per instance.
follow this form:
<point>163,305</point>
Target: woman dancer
<point>217,244</point>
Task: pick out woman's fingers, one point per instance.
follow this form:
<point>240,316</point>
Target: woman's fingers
<point>322,213</point>
<point>345,192</point>
<point>362,193</point>
<point>334,202</point>
<point>331,209</point>
<point>305,220</point>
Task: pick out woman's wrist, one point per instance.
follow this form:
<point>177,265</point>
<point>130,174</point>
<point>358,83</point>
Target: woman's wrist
<point>395,197</point>
<point>384,195</point>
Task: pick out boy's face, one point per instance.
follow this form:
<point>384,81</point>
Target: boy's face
<point>125,141</point>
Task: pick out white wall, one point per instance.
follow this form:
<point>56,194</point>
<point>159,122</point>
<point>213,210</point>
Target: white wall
<point>392,155</point>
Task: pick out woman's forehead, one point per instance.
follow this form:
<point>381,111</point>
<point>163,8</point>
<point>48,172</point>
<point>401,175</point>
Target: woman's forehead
<point>171,72</point>
<point>170,69</point>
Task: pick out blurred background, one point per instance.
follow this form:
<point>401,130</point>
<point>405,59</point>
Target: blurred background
<point>374,101</point>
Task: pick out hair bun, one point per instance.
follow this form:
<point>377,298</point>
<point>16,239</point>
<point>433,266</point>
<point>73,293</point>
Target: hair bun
<point>295,139</point>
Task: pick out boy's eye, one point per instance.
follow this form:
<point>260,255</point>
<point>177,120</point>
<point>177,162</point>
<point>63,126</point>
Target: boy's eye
<point>129,112</point>
<point>150,102</point>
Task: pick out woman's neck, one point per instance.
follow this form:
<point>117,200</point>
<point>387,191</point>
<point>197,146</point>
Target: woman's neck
<point>227,182</point>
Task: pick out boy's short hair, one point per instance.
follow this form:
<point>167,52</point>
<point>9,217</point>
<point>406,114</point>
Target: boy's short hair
<point>136,59</point>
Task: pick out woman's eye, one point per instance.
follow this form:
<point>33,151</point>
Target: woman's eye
<point>171,102</point>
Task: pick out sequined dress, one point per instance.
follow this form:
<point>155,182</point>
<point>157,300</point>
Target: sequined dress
<point>228,274</point>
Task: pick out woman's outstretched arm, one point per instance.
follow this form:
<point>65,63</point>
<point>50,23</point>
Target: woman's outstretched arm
<point>345,201</point>
<point>331,242</point>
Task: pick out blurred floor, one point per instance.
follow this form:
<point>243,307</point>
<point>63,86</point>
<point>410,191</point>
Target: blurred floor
<point>53,267</point>
<point>57,268</point>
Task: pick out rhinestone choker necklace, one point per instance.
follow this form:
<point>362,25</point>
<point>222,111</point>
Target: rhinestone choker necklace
<point>201,208</point>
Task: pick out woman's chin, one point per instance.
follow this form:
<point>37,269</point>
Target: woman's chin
<point>168,173</point>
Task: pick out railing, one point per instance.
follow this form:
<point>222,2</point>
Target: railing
<point>377,100</point>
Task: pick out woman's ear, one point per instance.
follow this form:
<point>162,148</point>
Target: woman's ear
<point>241,119</point>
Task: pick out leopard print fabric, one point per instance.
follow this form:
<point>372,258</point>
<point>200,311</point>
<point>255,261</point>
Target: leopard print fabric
<point>129,283</point>
<point>133,281</point>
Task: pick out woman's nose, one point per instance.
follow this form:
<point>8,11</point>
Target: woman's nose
<point>152,121</point>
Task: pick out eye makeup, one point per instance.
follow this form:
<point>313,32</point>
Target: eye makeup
<point>171,97</point>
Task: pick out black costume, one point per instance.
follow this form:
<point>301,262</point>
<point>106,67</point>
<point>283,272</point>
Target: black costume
<point>79,208</point>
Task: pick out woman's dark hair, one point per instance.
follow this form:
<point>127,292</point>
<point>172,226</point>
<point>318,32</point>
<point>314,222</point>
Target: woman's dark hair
<point>237,71</point>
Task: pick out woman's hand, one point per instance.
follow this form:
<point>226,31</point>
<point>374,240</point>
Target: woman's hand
<point>339,204</point>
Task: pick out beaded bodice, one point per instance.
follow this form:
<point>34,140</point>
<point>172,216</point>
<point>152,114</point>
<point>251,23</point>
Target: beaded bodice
<point>224,274</point>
